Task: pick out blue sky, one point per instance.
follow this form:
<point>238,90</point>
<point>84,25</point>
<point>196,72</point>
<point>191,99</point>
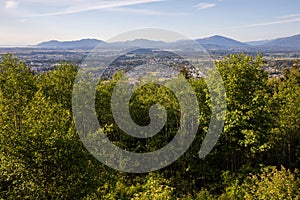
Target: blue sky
<point>32,21</point>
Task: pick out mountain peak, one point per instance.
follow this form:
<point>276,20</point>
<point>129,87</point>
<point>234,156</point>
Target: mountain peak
<point>218,36</point>
<point>220,42</point>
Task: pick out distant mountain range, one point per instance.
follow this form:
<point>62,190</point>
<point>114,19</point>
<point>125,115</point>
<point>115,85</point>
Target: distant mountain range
<point>288,43</point>
<point>258,43</point>
<point>78,44</point>
<point>211,43</point>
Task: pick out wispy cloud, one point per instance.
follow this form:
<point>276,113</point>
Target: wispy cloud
<point>147,12</point>
<point>289,16</point>
<point>204,5</point>
<point>285,20</point>
<point>78,6</point>
<point>10,4</point>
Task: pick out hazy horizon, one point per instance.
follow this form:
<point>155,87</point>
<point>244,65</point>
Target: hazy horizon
<point>33,45</point>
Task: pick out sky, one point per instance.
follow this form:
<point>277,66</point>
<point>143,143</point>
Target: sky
<point>27,22</point>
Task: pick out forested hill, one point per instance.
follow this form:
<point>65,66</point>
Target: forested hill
<point>256,156</point>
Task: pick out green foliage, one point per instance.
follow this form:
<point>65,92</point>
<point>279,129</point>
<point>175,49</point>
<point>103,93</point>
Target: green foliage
<point>58,84</point>
<point>41,156</point>
<point>155,188</point>
<point>272,184</point>
<point>204,194</point>
<point>269,183</point>
<point>150,187</point>
<point>287,99</point>
<point>232,187</point>
<point>248,122</point>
